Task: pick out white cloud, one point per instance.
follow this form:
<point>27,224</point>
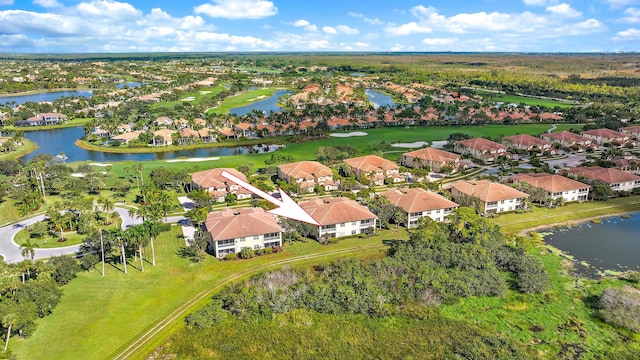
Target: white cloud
<point>565,10</point>
<point>397,47</point>
<point>347,30</point>
<point>47,3</point>
<point>621,3</point>
<point>439,41</point>
<point>238,9</point>
<point>6,2</point>
<point>626,35</point>
<point>586,27</point>
<point>374,21</point>
<point>305,24</point>
<point>106,9</point>
<point>409,28</point>
<point>631,15</point>
<point>41,24</point>
<point>318,44</point>
<point>535,2</point>
<point>330,30</point>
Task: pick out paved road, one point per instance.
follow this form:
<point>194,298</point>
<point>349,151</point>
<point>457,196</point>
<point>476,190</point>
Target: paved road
<point>12,253</point>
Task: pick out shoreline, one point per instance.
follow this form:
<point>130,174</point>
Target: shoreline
<point>25,149</point>
<point>143,150</point>
<point>42,91</point>
<point>573,222</point>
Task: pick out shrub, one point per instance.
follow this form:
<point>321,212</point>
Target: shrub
<point>259,252</point>
<point>268,250</point>
<point>621,307</point>
<point>246,253</point>
<point>333,241</point>
<point>164,227</point>
<point>277,249</point>
<point>65,267</point>
<point>88,261</point>
<point>230,256</point>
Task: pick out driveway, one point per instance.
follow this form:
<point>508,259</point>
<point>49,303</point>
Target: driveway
<point>12,253</point>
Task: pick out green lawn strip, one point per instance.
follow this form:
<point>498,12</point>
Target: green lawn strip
<point>99,316</point>
<point>243,99</point>
<point>517,99</point>
<point>49,242</point>
<point>159,149</point>
<point>8,211</point>
<point>545,217</point>
<point>69,124</point>
<point>27,147</point>
<point>197,96</point>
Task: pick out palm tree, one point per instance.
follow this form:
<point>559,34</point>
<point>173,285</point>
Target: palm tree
<point>108,207</point>
<point>118,236</point>
<point>9,320</point>
<point>137,236</point>
<point>153,230</point>
<point>28,249</point>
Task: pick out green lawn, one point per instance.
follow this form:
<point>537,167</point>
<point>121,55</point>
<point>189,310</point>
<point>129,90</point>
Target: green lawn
<point>8,211</point>
<point>99,316</point>
<point>542,216</point>
<point>49,242</point>
<point>69,124</point>
<point>243,99</point>
<point>197,96</point>
<point>27,147</point>
<point>533,101</point>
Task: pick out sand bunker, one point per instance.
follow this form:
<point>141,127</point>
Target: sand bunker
<point>413,145</point>
<point>190,98</point>
<point>205,92</point>
<point>354,133</point>
<point>193,159</point>
<point>99,164</point>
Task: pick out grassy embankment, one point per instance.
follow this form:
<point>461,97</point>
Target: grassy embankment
<point>119,308</point>
<point>527,100</point>
<point>69,124</point>
<point>27,147</point>
<point>307,150</point>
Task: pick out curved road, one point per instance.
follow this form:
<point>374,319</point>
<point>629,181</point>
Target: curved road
<point>12,253</point>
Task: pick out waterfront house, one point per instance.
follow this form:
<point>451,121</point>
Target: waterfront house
<point>374,168</point>
<point>307,174</point>
<point>555,186</point>
<point>162,137</point>
<point>617,179</point>
<point>234,229</point>
<point>127,136</point>
<point>339,217</point>
<point>417,203</point>
<point>492,197</point>
<point>43,119</point>
<point>435,159</point>
<point>480,148</point>
<point>218,186</point>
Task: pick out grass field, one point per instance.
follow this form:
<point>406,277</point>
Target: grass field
<point>307,150</point>
<point>98,316</point>
<point>533,101</point>
<point>69,124</point>
<point>27,147</point>
<point>243,99</point>
<point>197,96</point>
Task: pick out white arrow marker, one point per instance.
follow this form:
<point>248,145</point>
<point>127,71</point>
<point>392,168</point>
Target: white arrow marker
<point>285,207</point>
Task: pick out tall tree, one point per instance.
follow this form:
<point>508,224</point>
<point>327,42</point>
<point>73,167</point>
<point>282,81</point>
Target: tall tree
<point>28,249</point>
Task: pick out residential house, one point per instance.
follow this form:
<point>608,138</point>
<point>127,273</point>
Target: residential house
<point>218,186</point>
<point>492,197</point>
<point>234,229</point>
<point>163,137</point>
<point>339,217</point>
<point>528,143</point>
<point>555,186</point>
<point>207,135</point>
<point>568,140</point>
<point>628,164</point>
<point>307,174</point>
<point>42,120</point>
<point>189,136</point>
<point>227,132</point>
<point>163,121</point>
<point>435,159</point>
<point>632,130</point>
<point>127,137</point>
<point>417,203</point>
<point>483,149</point>
<point>608,136</point>
<point>618,180</point>
<point>374,168</point>
<point>245,129</point>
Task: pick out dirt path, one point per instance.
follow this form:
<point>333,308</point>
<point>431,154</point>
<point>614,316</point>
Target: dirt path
<point>176,315</point>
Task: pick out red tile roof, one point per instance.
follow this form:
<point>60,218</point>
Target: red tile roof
<point>213,177</point>
<point>487,191</point>
<point>550,182</point>
<point>329,211</point>
<point>481,144</point>
<point>606,175</point>
<point>432,154</point>
<point>371,163</point>
<point>417,200</point>
<point>232,224</point>
<point>305,169</point>
<point>526,140</point>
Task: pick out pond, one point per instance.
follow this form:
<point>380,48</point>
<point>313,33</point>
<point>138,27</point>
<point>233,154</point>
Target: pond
<point>379,98</point>
<point>267,104</point>
<point>129,84</point>
<point>58,141</point>
<point>45,97</point>
<point>613,244</point>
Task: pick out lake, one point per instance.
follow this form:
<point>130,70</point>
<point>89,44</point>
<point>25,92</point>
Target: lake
<point>58,141</point>
<point>130,84</point>
<point>614,244</point>
<point>267,104</point>
<point>379,98</point>
<point>45,97</point>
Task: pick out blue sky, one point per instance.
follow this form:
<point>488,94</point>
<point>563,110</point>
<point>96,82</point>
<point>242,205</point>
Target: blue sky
<point>69,26</point>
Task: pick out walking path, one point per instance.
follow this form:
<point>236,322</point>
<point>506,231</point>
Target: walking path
<point>13,254</point>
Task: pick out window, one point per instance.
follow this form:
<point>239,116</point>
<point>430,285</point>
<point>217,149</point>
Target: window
<point>256,247</point>
<point>241,239</point>
<point>354,223</point>
<point>342,224</point>
<point>353,232</point>
<point>256,237</point>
